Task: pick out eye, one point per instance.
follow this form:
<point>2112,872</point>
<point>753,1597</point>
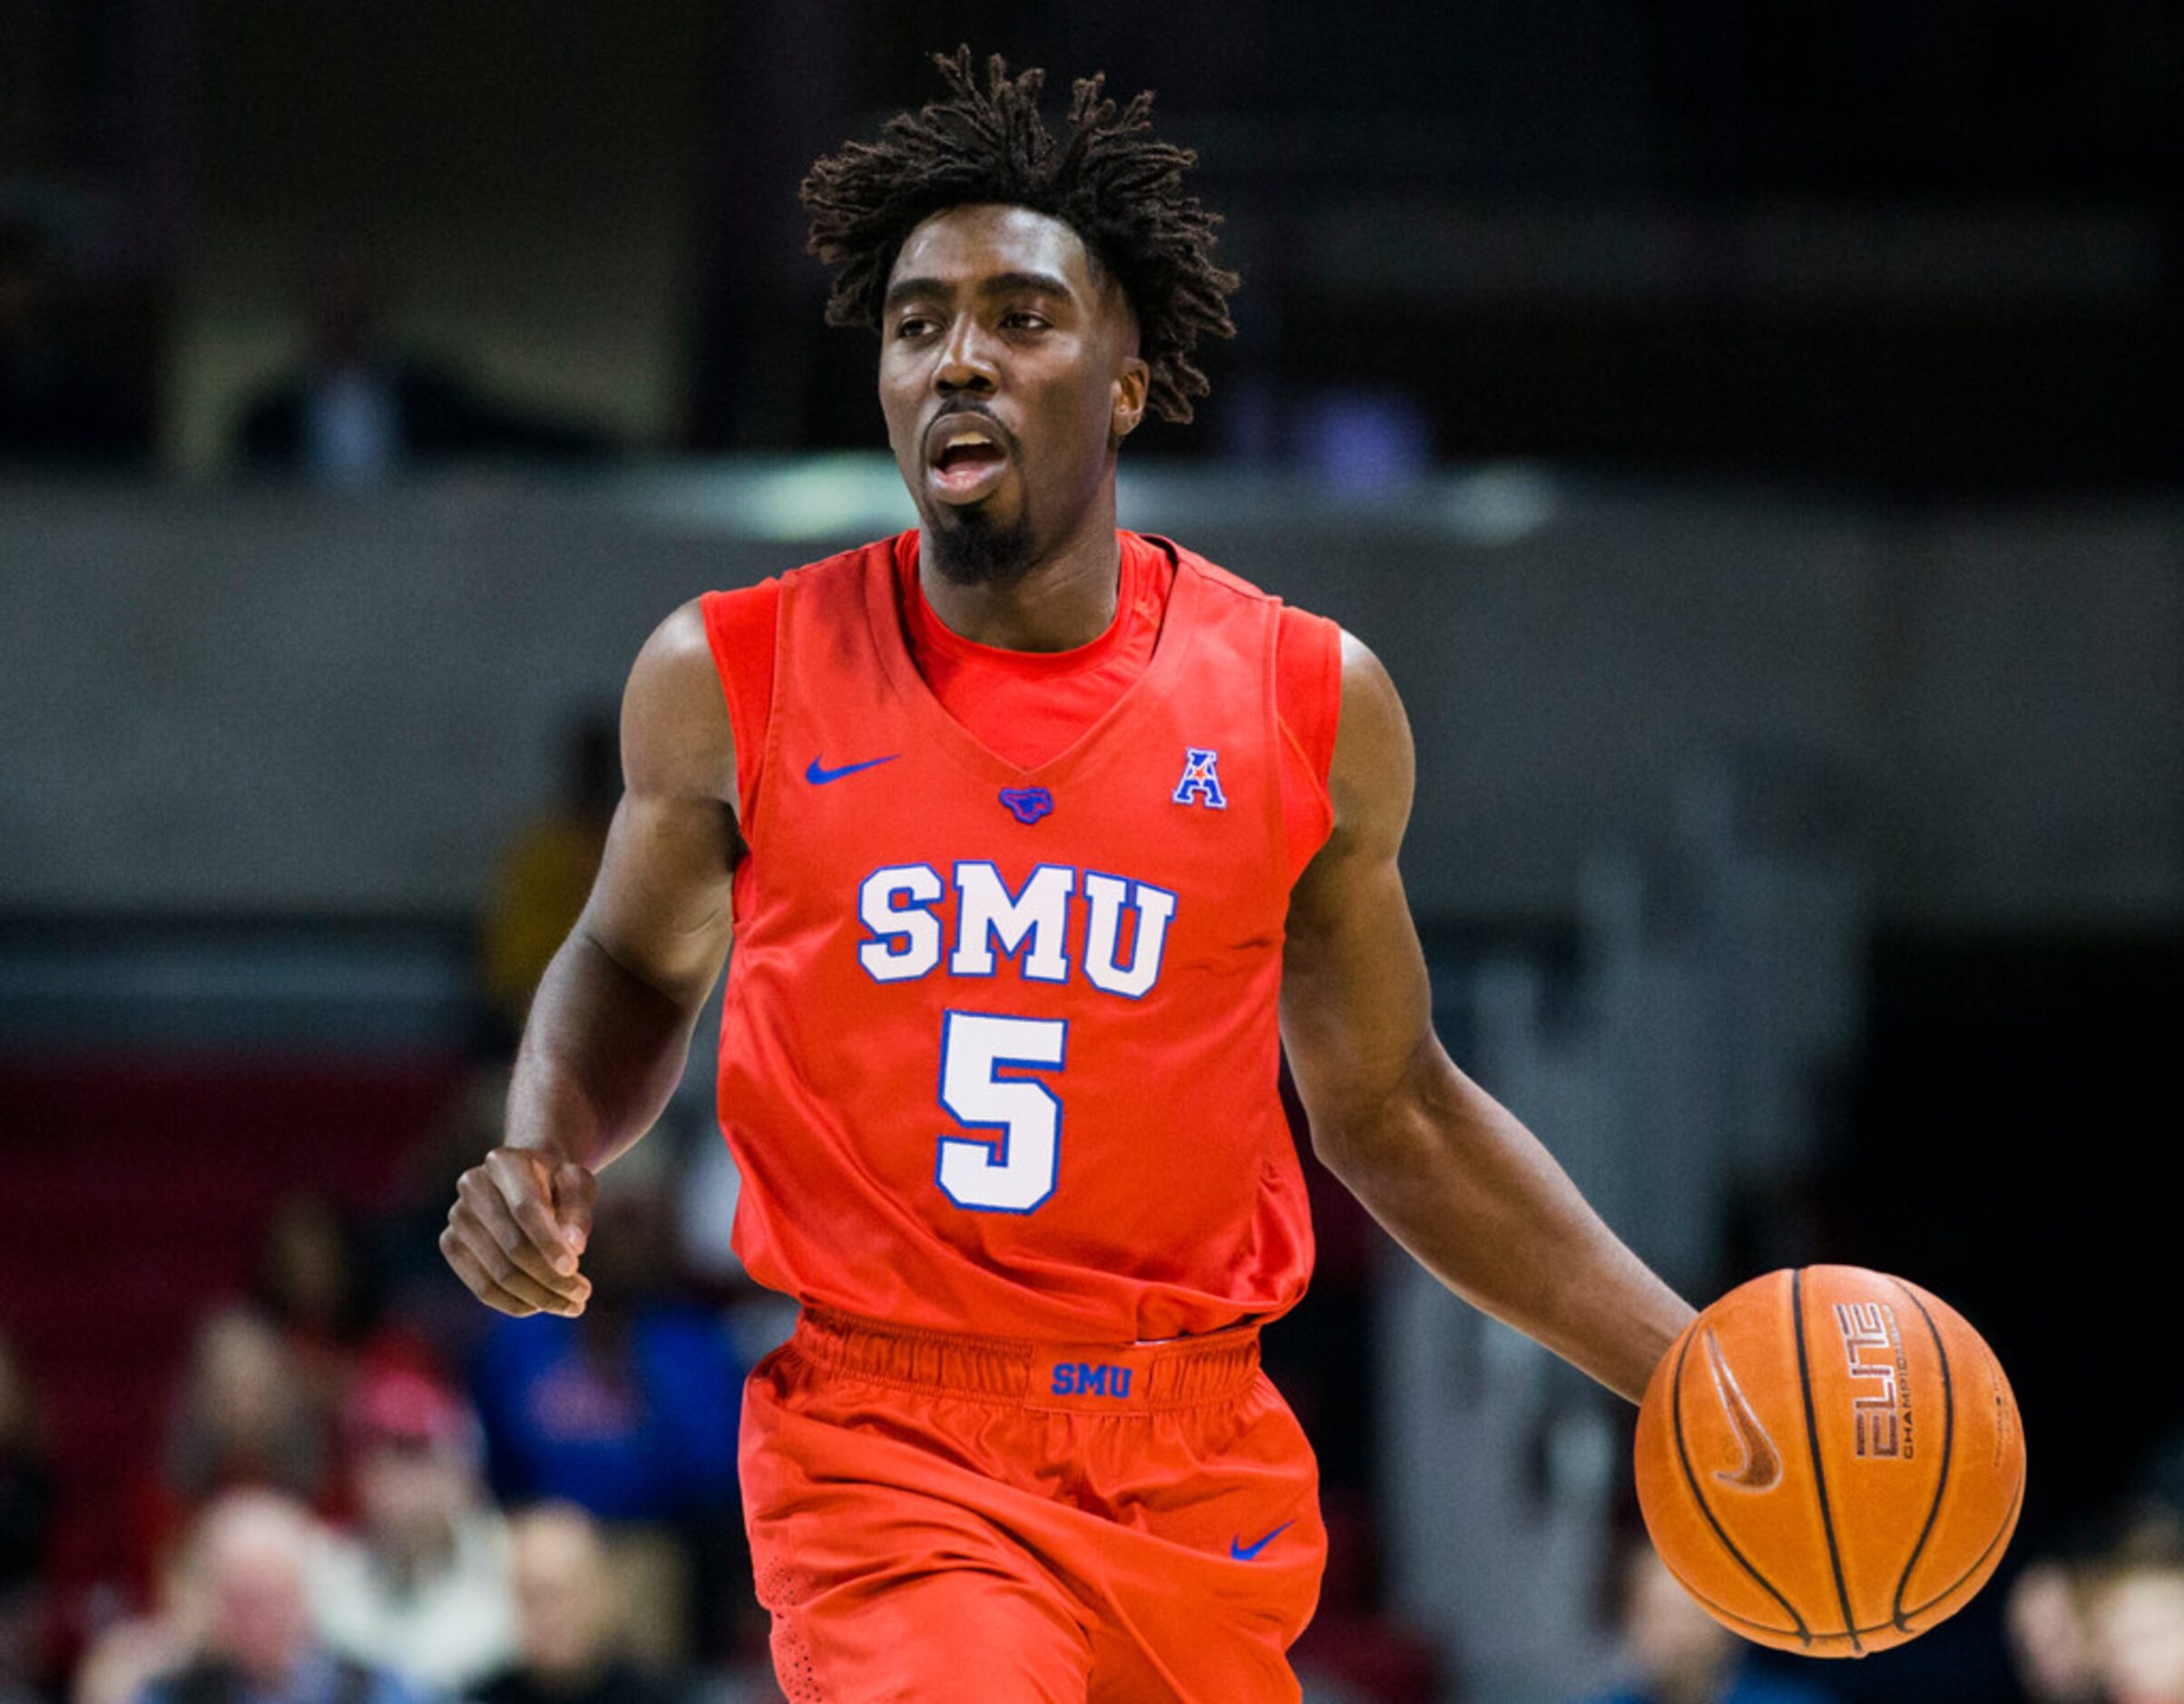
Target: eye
<point>913,326</point>
<point>1026,319</point>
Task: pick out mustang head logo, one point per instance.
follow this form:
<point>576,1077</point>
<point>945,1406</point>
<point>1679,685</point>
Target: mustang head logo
<point>1027,803</point>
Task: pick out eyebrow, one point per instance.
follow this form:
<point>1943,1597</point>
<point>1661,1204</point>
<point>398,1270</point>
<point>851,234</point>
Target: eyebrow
<point>998,284</point>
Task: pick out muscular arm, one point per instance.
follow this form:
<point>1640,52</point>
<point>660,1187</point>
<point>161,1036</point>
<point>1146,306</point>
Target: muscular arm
<point>1453,1178</point>
<point>611,1023</point>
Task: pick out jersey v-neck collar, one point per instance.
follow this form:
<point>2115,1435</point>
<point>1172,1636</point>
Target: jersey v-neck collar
<point>888,605</point>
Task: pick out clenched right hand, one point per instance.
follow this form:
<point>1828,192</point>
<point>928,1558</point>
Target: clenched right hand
<point>518,1228</point>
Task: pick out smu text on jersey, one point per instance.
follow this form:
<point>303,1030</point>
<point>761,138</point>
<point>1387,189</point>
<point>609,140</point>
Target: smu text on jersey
<point>1090,1378</point>
<point>1059,922</point>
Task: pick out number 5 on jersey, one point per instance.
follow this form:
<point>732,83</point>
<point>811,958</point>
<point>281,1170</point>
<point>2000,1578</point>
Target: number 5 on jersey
<point>1013,1171</point>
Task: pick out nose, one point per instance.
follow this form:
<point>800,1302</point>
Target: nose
<point>966,360</point>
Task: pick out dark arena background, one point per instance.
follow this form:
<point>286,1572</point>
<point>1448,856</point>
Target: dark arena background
<point>1749,436</point>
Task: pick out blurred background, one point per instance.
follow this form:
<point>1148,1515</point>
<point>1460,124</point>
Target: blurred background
<point>1749,436</point>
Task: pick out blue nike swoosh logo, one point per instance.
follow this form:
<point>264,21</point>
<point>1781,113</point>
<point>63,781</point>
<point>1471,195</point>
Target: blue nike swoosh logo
<point>818,775</point>
<point>1242,1552</point>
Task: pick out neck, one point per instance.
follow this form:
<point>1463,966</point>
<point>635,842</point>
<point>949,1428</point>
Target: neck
<point>1066,599</point>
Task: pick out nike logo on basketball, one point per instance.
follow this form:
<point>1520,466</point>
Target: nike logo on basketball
<point>1762,1463</point>
<point>1242,1552</point>
<point>819,774</point>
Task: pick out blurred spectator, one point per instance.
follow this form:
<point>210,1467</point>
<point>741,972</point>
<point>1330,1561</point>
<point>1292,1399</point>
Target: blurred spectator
<point>570,1634</point>
<point>1676,1653</point>
<point>26,1509</point>
<point>358,410</point>
<point>445,1317</point>
<point>1363,440</point>
<point>311,1278</point>
<point>128,1654</point>
<point>251,1557</point>
<point>245,1417</point>
<point>2048,1645</point>
<point>313,1284</point>
<point>630,1410</point>
<point>315,1281</point>
<point>52,408</point>
<point>545,875</point>
<point>424,1584</point>
<point>2134,1612</point>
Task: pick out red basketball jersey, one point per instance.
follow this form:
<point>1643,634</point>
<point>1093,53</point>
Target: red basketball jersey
<point>999,1044</point>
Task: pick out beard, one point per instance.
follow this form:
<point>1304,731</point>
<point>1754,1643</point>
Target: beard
<point>971,549</point>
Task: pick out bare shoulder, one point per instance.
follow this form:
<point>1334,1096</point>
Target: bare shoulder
<point>1374,768</point>
<point>676,737</point>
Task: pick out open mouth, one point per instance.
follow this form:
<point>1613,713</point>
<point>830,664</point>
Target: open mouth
<point>965,463</point>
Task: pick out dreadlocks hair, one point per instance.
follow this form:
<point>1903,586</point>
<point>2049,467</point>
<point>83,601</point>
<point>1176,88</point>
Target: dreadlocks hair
<point>1120,191</point>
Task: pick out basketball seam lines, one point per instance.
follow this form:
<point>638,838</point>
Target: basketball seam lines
<point>1819,1473</point>
<point>1941,1486</point>
<point>1683,1458</point>
<point>1935,1601</point>
<point>2002,1533</point>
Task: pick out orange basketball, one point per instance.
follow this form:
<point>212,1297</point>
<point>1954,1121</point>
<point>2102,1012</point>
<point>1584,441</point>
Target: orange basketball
<point>1831,1461</point>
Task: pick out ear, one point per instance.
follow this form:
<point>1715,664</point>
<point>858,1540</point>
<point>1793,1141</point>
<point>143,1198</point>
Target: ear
<point>1131,388</point>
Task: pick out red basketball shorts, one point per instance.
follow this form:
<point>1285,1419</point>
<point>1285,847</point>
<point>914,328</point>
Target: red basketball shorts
<point>937,1517</point>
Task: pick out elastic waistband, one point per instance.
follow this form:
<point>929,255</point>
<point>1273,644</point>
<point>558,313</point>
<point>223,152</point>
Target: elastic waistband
<point>1079,1377</point>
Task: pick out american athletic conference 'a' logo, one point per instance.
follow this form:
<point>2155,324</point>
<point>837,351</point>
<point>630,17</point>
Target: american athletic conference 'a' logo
<point>1202,782</point>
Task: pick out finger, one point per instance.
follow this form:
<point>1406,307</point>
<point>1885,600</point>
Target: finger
<point>468,1268</point>
<point>575,1191</point>
<point>485,1207</point>
<point>492,1263</point>
<point>526,1187</point>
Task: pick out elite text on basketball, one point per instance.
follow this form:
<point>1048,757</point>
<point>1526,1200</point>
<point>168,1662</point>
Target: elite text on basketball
<point>1881,1407</point>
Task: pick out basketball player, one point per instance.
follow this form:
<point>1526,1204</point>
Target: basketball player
<point>1037,840</point>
